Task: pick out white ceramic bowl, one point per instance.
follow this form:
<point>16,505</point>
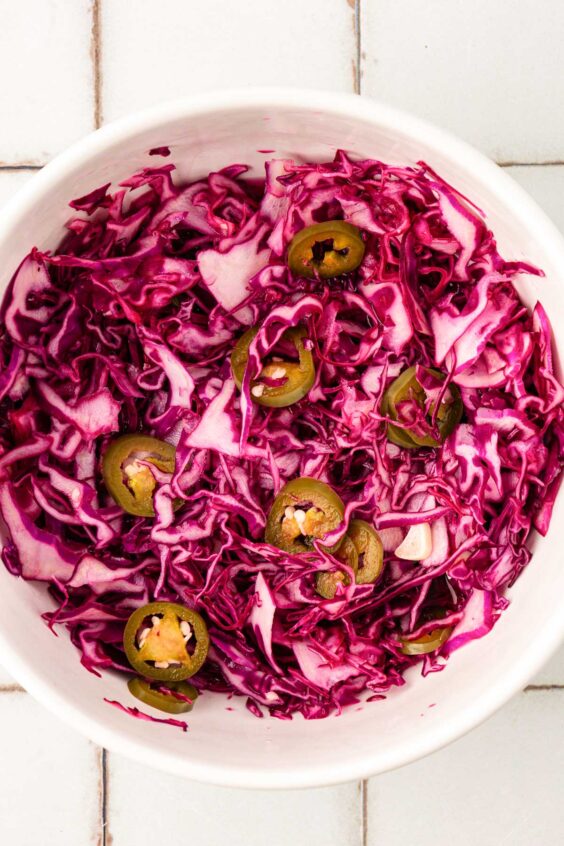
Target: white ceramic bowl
<point>232,747</point>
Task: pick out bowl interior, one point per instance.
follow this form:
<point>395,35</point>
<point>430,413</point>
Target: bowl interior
<point>230,746</point>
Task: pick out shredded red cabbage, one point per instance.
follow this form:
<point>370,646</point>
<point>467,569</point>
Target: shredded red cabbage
<point>141,715</point>
<point>129,327</point>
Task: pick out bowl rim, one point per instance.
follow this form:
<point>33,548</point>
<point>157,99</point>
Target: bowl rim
<point>511,679</point>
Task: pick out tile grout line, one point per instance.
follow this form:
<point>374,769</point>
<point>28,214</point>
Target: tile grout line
<point>532,688</point>
<point>553,163</point>
<point>363,812</point>
<point>104,839</point>
<point>357,32</point>
<point>16,167</point>
<point>96,55</point>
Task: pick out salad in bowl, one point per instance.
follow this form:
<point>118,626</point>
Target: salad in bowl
<point>278,438</point>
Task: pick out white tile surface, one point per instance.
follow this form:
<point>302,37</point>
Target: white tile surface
<point>217,816</point>
<point>490,70</point>
<point>46,99</point>
<point>553,671</point>
<point>49,786</point>
<point>546,186</point>
<point>11,181</point>
<point>502,784</point>
<point>185,46</point>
